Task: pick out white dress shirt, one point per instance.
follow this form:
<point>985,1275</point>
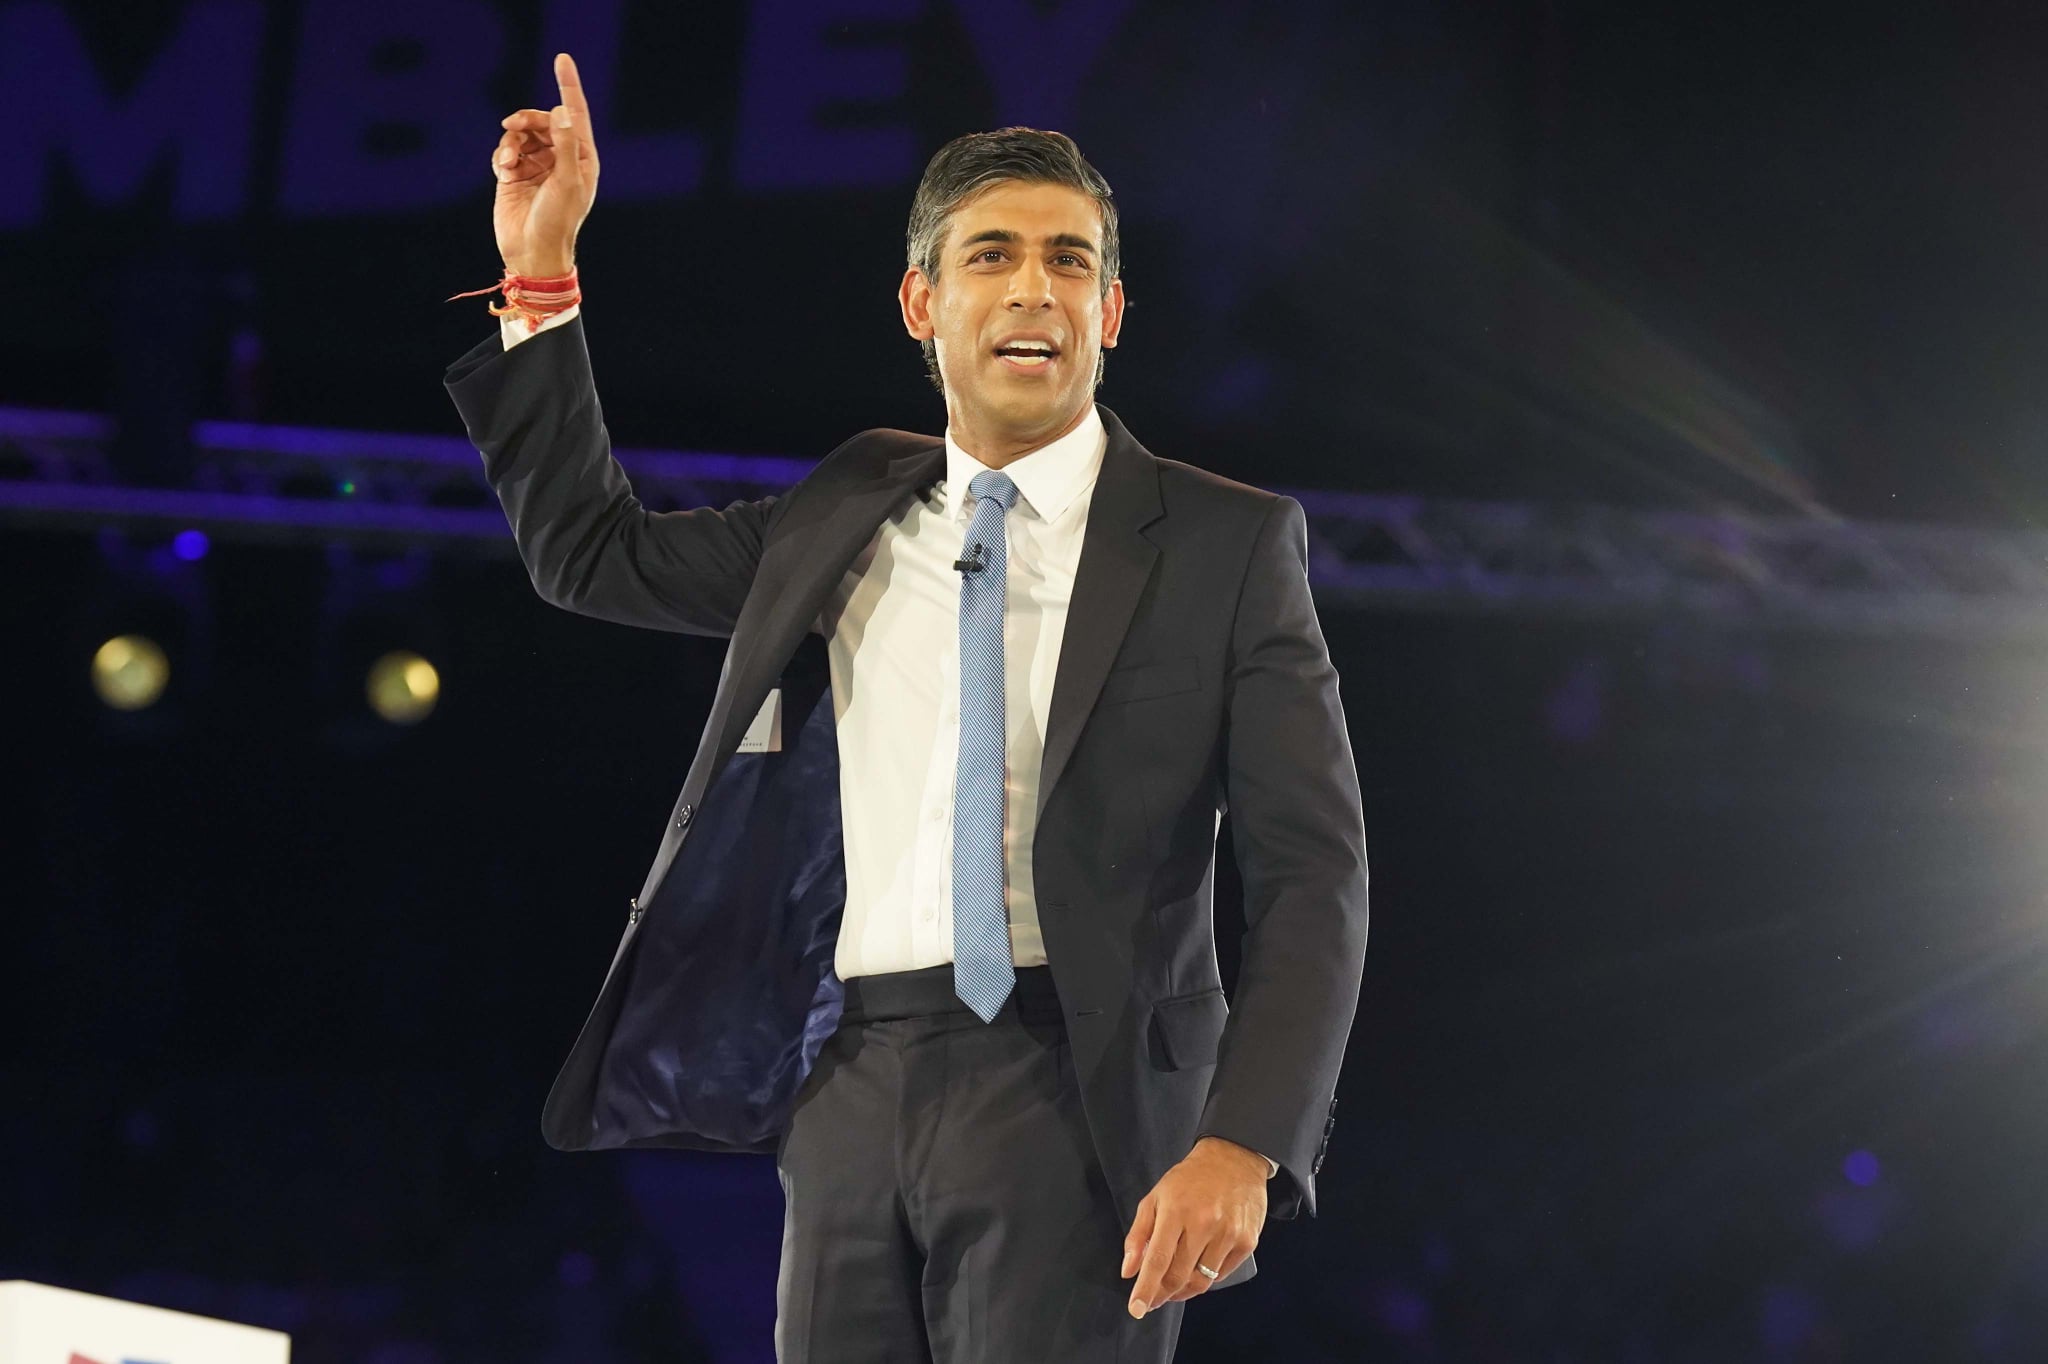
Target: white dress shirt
<point>893,623</point>
<point>892,626</point>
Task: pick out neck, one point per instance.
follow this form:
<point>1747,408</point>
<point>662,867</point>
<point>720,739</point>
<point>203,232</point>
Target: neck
<point>999,446</point>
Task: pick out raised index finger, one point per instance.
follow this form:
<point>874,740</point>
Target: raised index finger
<point>572,91</point>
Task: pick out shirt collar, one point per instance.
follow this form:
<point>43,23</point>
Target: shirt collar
<point>1048,479</point>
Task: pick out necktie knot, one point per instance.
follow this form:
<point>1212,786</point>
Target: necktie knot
<point>995,486</point>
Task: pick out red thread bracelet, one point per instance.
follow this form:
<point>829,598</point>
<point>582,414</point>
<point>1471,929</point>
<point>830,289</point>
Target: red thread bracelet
<point>534,298</point>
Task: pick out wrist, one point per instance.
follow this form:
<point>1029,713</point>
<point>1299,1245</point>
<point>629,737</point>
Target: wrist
<point>534,298</point>
<point>1251,1159</point>
<point>546,265</point>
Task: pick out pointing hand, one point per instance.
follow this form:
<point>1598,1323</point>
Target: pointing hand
<point>546,165</point>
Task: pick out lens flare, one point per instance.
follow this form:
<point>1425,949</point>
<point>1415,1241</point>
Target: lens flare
<point>403,687</point>
<point>130,672</point>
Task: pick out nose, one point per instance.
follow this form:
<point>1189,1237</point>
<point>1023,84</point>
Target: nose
<point>1030,286</point>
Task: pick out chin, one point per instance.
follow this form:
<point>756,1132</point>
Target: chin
<point>1016,409</point>
<point>1038,416</point>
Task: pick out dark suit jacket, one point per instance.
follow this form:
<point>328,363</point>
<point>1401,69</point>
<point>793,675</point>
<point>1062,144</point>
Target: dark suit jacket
<point>1193,678</point>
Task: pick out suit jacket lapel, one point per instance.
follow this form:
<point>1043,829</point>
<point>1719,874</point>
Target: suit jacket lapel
<point>1116,561</point>
<point>840,535</point>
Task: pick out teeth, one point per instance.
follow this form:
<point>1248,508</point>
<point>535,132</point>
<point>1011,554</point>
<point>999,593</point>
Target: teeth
<point>1039,359</point>
<point>1042,347</point>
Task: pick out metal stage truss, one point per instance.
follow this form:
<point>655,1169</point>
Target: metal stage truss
<point>1367,551</point>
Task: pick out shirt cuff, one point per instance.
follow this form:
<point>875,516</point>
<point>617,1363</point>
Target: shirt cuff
<point>512,328</point>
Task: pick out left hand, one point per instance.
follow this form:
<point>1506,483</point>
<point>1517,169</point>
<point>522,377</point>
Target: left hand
<point>1210,1208</point>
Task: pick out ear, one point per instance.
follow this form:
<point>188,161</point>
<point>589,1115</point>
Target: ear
<point>915,294</point>
<point>1112,313</point>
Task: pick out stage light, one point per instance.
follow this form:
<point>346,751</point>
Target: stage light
<point>130,672</point>
<point>376,633</point>
<point>402,687</point>
<point>190,545</point>
<point>147,608</point>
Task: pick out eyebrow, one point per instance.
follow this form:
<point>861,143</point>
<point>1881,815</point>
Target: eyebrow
<point>1003,234</point>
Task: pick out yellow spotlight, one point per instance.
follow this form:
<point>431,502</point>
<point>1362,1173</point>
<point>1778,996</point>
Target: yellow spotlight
<point>130,672</point>
<point>403,687</point>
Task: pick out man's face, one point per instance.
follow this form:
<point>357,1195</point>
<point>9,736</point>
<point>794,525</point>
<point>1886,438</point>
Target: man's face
<point>1021,264</point>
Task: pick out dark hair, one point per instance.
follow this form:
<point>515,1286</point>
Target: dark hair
<point>970,164</point>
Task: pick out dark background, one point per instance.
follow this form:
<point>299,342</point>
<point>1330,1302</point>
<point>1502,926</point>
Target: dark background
<point>1704,1012</point>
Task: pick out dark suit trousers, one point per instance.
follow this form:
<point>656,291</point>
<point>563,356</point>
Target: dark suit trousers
<point>944,1201</point>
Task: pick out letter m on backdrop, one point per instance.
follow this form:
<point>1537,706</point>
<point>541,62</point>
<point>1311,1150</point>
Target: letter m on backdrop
<point>190,106</point>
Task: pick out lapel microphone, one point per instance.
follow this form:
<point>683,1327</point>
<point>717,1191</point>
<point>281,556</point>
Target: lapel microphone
<point>973,562</point>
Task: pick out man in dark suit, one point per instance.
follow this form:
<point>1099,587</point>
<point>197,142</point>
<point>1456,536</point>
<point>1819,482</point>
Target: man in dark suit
<point>931,919</point>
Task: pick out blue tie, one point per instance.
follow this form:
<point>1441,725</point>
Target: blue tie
<point>984,971</point>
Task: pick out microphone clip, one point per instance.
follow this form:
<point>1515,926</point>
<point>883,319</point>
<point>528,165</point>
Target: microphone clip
<point>973,561</point>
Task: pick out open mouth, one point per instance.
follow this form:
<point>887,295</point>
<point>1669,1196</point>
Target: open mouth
<point>1027,354</point>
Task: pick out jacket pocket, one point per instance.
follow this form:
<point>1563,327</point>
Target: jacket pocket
<point>1187,1029</point>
